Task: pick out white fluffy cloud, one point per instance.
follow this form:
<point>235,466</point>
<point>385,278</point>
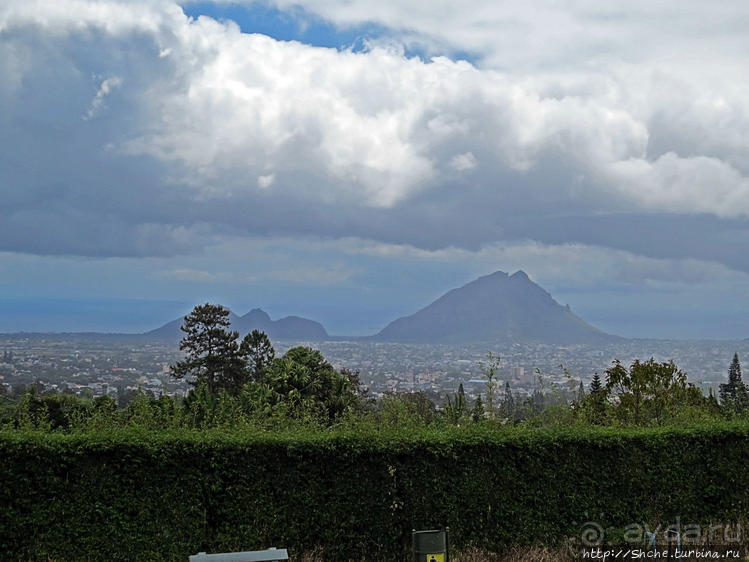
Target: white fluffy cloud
<point>370,127</point>
<point>191,126</point>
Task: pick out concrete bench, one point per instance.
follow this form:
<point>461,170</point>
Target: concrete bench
<point>269,555</point>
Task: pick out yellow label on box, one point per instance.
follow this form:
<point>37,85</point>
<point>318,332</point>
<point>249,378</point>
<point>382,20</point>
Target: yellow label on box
<point>436,557</point>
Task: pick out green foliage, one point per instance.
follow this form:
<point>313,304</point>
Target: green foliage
<point>489,370</point>
<point>236,383</point>
<point>138,495</point>
<point>649,392</point>
<point>305,385</point>
<point>302,388</point>
<point>555,415</point>
<point>52,412</point>
<point>734,397</point>
<point>258,352</point>
<point>297,389</point>
<point>406,409</point>
<point>592,408</point>
<point>477,412</point>
<point>456,410</point>
<point>507,409</point>
<point>213,354</point>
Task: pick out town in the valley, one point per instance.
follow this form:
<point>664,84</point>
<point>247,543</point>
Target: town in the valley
<point>120,366</point>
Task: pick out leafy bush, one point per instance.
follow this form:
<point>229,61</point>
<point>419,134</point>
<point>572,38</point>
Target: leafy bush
<point>141,495</point>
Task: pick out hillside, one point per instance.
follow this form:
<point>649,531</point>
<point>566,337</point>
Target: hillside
<point>287,328</point>
<point>496,307</point>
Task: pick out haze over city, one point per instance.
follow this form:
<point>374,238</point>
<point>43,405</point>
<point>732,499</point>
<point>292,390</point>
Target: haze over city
<point>351,162</point>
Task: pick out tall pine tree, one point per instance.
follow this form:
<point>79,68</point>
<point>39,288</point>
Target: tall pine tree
<point>456,410</point>
<point>212,352</point>
<point>508,409</point>
<point>258,351</point>
<point>733,394</point>
<point>478,413</point>
<point>596,401</point>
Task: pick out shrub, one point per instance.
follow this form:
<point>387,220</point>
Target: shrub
<point>139,495</point>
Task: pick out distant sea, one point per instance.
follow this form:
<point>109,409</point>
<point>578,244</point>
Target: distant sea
<point>87,315</point>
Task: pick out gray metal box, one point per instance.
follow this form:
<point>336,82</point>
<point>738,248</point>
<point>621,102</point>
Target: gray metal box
<point>430,546</point>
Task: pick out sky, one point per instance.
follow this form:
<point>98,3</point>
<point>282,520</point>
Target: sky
<point>350,161</point>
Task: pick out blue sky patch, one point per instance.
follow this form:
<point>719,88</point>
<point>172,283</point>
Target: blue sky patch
<point>295,25</point>
<point>300,25</point>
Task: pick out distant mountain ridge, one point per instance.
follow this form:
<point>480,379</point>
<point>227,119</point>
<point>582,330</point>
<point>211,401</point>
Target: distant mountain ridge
<point>497,308</point>
<point>287,328</point>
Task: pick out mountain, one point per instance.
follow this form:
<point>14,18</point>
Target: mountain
<point>288,328</point>
<point>494,308</point>
<point>171,330</point>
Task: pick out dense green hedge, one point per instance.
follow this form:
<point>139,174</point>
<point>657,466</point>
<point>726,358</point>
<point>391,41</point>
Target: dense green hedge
<point>136,495</point>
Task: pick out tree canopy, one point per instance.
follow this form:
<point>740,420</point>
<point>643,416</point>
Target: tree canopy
<point>307,383</point>
<point>212,353</point>
<point>649,390</point>
<point>733,394</point>
<point>258,352</point>
<point>299,385</point>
